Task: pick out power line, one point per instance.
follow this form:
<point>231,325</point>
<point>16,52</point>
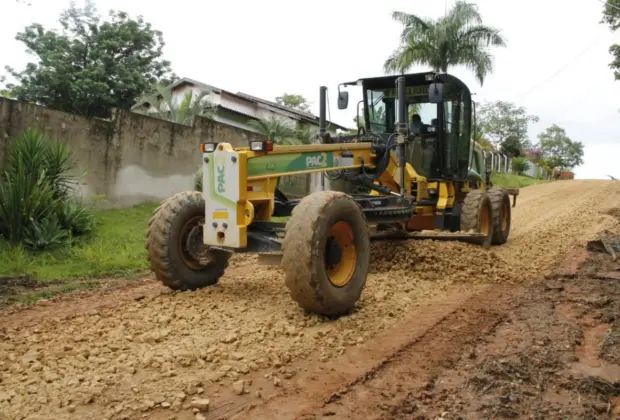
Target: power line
<point>605,2</point>
<point>562,68</point>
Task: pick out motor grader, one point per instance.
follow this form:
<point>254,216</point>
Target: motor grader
<point>420,177</point>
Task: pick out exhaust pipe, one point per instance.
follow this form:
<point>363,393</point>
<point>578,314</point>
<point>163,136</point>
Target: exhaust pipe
<point>402,130</point>
<point>322,113</point>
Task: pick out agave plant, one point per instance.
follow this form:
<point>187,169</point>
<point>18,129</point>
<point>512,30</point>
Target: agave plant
<point>52,159</point>
<point>25,198</point>
<point>36,204</point>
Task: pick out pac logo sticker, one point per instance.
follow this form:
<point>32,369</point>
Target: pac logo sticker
<point>318,161</point>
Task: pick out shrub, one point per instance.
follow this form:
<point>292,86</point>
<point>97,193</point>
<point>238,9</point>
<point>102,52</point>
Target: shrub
<point>520,165</point>
<point>198,181</point>
<point>36,205</point>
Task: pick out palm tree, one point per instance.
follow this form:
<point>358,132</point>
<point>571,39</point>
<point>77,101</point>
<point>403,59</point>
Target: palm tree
<point>277,130</point>
<point>459,38</point>
<point>280,132</point>
<point>306,135</point>
<point>181,113</point>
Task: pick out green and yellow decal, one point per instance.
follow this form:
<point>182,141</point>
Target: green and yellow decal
<point>286,163</point>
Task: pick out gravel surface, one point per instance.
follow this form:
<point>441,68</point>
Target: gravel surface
<point>174,350</point>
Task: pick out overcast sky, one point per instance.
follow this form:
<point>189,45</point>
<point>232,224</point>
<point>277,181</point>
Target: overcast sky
<point>268,47</point>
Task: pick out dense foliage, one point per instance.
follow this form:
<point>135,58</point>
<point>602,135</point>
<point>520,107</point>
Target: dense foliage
<point>90,66</point>
<point>611,17</point>
<point>293,101</point>
<point>37,208</point>
<point>559,150</point>
<point>505,125</point>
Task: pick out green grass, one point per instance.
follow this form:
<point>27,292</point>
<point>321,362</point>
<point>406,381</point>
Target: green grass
<point>116,249</point>
<point>514,181</point>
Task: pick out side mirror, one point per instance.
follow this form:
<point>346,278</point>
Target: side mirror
<point>435,93</point>
<point>343,99</point>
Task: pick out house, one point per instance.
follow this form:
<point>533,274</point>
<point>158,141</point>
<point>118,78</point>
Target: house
<point>237,109</point>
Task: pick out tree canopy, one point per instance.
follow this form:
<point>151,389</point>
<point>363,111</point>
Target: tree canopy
<point>505,125</point>
<point>611,17</point>
<point>559,150</point>
<point>458,38</point>
<point>90,65</point>
<point>294,101</point>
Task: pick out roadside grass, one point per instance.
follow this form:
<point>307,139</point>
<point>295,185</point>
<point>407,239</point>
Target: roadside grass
<point>514,181</point>
<point>116,249</point>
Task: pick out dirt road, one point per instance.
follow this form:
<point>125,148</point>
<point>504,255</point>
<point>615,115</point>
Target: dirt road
<point>243,345</point>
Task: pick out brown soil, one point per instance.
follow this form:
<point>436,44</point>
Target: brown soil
<point>443,330</point>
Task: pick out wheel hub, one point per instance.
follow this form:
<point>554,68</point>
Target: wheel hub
<point>194,252</point>
<point>333,253</point>
<point>194,243</point>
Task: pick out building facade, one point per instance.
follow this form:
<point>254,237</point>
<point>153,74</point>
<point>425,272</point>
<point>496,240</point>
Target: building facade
<point>237,109</point>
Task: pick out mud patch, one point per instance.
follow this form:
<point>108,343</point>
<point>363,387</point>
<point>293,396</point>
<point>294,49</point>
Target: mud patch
<point>615,212</point>
<point>12,286</point>
<point>557,355</point>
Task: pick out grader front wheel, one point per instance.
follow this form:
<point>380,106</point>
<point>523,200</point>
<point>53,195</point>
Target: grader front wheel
<point>477,215</point>
<point>326,253</point>
<point>174,244</point>
<point>500,202</point>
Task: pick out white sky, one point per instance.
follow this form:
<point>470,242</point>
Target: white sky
<point>268,47</point>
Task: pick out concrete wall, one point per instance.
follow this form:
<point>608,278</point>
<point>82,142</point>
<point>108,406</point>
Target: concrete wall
<point>130,159</point>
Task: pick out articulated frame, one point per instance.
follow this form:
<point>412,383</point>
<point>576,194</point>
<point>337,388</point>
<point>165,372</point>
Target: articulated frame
<point>241,196</point>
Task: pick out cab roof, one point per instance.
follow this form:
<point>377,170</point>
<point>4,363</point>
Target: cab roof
<point>412,79</point>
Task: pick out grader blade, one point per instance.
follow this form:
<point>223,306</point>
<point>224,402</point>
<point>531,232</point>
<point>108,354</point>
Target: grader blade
<point>472,238</point>
<point>514,192</point>
<point>270,258</point>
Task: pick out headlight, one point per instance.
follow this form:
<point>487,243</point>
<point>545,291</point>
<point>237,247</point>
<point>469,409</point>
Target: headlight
<point>207,147</point>
<point>261,146</point>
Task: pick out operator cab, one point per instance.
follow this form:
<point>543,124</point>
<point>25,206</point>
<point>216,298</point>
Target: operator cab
<point>439,119</point>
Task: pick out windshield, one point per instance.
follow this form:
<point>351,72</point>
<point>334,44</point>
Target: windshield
<point>382,105</point>
<point>423,120</point>
<point>377,111</point>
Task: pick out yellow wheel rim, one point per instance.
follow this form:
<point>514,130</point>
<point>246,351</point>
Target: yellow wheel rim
<point>484,220</point>
<point>341,273</point>
<point>505,211</point>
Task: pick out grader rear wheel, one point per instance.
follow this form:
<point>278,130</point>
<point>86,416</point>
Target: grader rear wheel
<point>174,244</point>
<point>477,215</point>
<point>326,253</point>
<point>500,201</point>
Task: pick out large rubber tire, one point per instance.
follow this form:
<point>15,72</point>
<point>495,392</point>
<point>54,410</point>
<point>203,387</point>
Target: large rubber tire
<point>316,218</point>
<point>502,213</point>
<point>477,215</point>
<point>170,260</point>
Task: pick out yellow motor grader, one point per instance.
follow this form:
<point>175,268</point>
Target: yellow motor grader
<point>421,172</point>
